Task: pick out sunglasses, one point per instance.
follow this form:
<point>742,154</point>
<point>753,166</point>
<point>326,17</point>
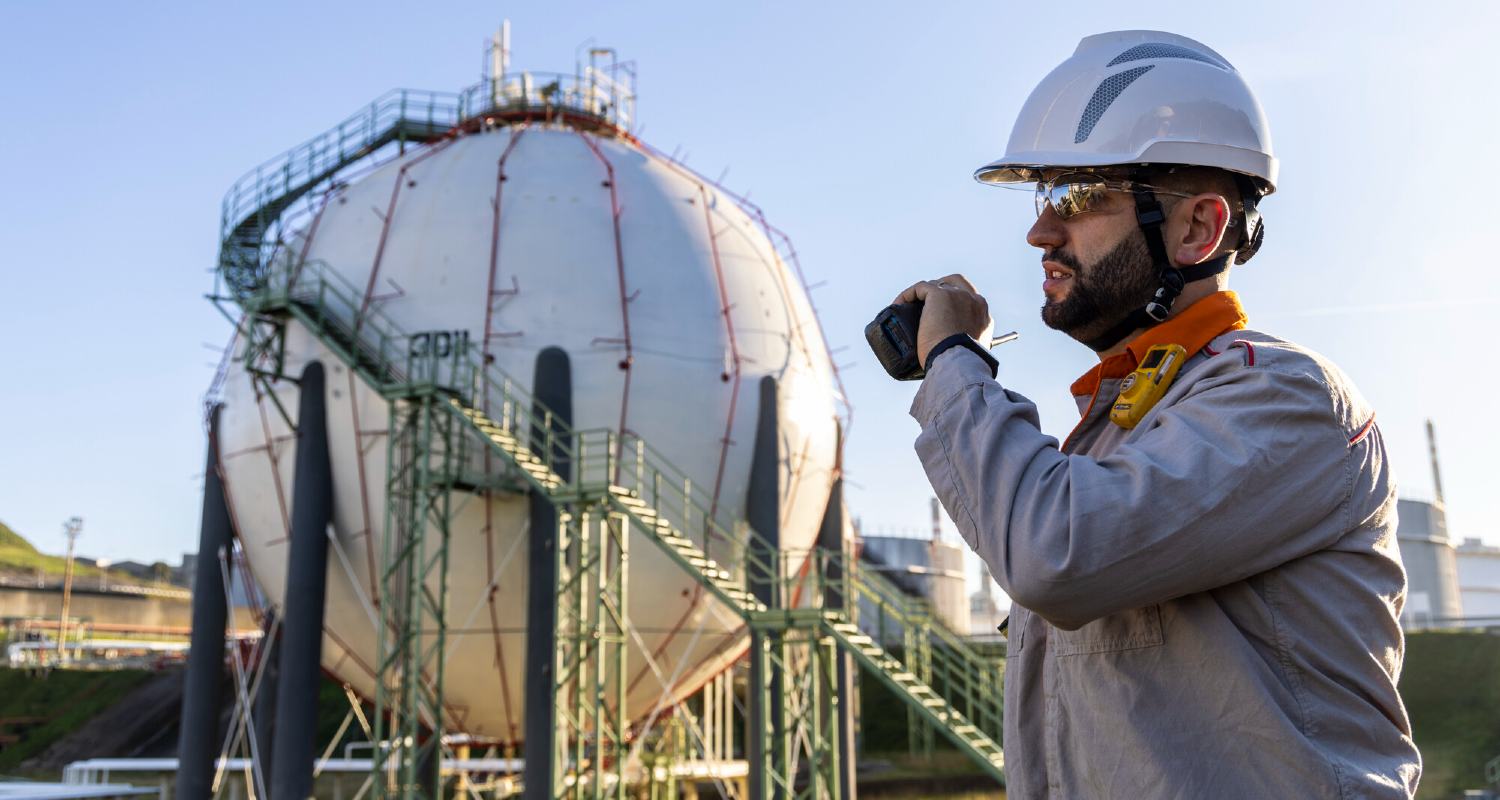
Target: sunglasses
<point>1074,193</point>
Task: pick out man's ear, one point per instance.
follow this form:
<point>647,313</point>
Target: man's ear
<point>1202,220</point>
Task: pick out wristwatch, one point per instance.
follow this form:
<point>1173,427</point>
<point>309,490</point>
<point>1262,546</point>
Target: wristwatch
<point>962,340</point>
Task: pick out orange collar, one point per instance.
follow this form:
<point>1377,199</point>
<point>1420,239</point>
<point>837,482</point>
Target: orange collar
<point>1195,327</point>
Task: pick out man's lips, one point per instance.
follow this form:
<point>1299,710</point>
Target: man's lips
<point>1055,276</point>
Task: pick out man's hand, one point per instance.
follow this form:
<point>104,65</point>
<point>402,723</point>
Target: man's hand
<point>950,305</point>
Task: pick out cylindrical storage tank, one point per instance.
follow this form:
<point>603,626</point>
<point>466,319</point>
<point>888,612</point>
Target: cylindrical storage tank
<point>1479,582</point>
<point>671,302</point>
<point>933,570</point>
<point>949,587</point>
<point>1432,593</point>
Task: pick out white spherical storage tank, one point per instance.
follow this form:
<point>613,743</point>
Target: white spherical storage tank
<point>671,301</point>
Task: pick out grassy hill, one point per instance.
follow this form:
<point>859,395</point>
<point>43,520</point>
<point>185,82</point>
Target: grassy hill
<point>9,539</point>
<point>20,558</point>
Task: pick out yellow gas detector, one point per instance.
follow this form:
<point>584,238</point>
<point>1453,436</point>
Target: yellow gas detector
<point>1141,389</point>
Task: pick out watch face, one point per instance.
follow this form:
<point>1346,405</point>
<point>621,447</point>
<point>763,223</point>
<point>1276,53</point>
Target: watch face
<point>1127,383</point>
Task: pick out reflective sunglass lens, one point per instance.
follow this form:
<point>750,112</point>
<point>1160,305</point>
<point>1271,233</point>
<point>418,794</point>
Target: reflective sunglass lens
<point>1075,194</point>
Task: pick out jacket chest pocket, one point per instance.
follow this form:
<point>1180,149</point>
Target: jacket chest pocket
<point>1127,630</point>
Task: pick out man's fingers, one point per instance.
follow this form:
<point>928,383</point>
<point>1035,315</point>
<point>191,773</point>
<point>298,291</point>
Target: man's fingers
<point>959,281</point>
<point>919,291</point>
<point>914,293</point>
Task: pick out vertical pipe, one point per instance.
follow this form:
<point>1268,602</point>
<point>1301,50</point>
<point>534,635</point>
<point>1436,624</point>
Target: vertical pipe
<point>1437,477</point>
<point>553,390</point>
<point>202,686</point>
<point>726,720</point>
<point>306,587</point>
<point>708,717</point>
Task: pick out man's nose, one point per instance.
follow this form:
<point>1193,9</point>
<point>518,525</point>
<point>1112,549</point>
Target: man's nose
<point>1048,232</point>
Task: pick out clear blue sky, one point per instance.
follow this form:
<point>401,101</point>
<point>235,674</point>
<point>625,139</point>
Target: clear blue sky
<point>855,125</point>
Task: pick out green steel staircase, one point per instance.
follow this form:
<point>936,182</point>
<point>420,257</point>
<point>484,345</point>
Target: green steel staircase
<point>934,656</point>
<point>916,693</point>
<point>968,678</point>
<point>616,480</point>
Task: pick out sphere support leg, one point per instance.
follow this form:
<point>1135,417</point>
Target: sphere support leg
<point>553,390</point>
<point>763,513</point>
<point>306,585</point>
<point>202,687</point>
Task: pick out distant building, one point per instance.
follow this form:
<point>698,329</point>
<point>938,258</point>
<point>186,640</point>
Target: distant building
<point>1479,582</point>
<point>924,568</point>
<point>985,614</point>
<point>1433,599</point>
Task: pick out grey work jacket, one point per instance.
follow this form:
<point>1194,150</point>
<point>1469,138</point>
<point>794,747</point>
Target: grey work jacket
<point>1204,607</point>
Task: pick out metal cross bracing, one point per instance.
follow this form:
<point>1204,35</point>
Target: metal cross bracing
<point>970,680</point>
<point>793,643</point>
<point>589,672</point>
<point>425,463</point>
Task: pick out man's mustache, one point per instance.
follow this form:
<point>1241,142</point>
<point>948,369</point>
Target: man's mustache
<point>1062,257</point>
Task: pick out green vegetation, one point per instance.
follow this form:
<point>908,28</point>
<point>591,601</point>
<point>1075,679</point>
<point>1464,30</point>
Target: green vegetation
<point>19,557</point>
<point>1451,686</point>
<point>9,539</point>
<point>37,710</point>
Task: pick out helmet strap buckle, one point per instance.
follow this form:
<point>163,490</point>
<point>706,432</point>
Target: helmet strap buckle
<point>1170,280</point>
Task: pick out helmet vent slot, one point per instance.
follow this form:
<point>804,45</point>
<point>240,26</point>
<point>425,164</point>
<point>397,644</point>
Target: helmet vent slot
<point>1108,90</point>
<point>1161,50</point>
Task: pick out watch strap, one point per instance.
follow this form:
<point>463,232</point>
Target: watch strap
<point>962,340</point>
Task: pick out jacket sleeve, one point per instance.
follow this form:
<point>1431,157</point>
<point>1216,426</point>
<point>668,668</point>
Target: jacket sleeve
<point>1248,470</point>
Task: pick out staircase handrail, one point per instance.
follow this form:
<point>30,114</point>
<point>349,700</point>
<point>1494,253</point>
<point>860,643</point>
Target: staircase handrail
<point>962,674</point>
<point>881,590</point>
<point>263,192</point>
<point>265,183</point>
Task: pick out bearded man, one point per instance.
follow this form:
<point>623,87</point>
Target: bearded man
<point>1205,579</point>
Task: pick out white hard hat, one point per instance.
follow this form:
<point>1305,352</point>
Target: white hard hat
<point>1139,97</point>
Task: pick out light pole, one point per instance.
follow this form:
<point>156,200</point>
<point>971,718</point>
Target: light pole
<point>71,529</point>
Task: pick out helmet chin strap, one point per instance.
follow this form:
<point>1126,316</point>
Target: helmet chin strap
<point>1170,279</point>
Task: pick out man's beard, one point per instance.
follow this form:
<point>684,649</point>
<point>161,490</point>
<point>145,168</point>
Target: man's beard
<point>1105,292</point>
